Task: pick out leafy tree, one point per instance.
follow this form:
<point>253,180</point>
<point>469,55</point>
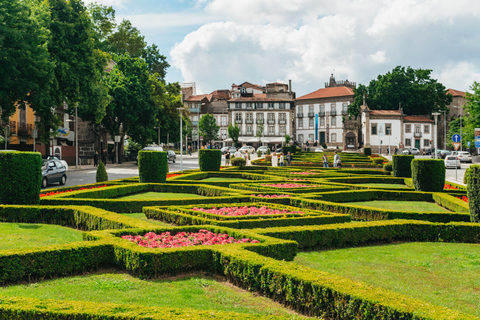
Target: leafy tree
<point>234,132</point>
<point>471,114</point>
<point>103,19</point>
<point>287,139</point>
<point>260,129</point>
<point>156,62</point>
<point>208,127</point>
<point>25,61</point>
<point>125,39</point>
<point>414,89</point>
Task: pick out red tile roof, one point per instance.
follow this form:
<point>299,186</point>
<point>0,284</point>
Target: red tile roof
<point>199,97</point>
<point>417,119</point>
<point>257,97</point>
<point>456,93</point>
<point>386,113</point>
<point>221,94</point>
<point>328,93</point>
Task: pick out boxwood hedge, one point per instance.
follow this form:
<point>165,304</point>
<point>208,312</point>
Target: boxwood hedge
<point>473,191</point>
<point>402,165</point>
<point>428,175</point>
<point>209,159</point>
<point>152,166</point>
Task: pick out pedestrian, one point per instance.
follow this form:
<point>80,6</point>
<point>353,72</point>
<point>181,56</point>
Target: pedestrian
<point>104,157</point>
<point>237,154</point>
<point>112,155</point>
<point>325,161</point>
<point>336,159</point>
<point>396,150</point>
<point>281,159</point>
<point>95,158</point>
<point>289,159</point>
<point>274,159</point>
<point>227,158</point>
<point>189,150</point>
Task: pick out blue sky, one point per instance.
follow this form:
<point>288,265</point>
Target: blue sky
<point>219,42</point>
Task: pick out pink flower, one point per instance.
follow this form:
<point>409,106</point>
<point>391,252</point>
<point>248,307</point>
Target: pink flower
<point>245,211</point>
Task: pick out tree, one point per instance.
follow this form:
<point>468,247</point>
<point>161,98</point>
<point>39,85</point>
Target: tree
<point>125,39</point>
<point>208,127</point>
<point>25,61</point>
<point>260,129</point>
<point>103,20</point>
<point>412,89</point>
<point>287,139</point>
<point>233,133</point>
<point>471,114</point>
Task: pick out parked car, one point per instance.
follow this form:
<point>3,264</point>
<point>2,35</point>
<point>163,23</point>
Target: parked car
<point>65,164</point>
<point>53,171</point>
<point>247,149</point>
<point>171,156</point>
<point>279,150</point>
<point>464,156</point>
<point>224,149</point>
<point>444,153</point>
<point>263,149</point>
<point>232,150</point>
<point>318,150</point>
<point>452,162</point>
<point>406,151</point>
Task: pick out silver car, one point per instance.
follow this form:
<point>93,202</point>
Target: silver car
<point>464,156</point>
<point>452,162</point>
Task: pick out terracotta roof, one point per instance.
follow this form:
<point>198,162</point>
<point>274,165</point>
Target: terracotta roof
<point>417,119</point>
<point>221,94</point>
<point>328,93</point>
<point>247,84</point>
<point>199,97</point>
<point>258,97</point>
<point>386,113</point>
<point>456,93</point>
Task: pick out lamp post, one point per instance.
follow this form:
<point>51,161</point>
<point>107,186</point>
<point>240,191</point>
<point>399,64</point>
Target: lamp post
<point>75,139</point>
<point>7,133</point>
<point>436,114</point>
<point>445,129</point>
<point>461,113</point>
<point>181,138</point>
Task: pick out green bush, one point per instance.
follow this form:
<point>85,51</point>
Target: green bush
<point>259,153</point>
<point>238,162</point>
<point>286,149</point>
<point>367,151</point>
<point>152,166</point>
<point>268,151</point>
<point>102,174</point>
<point>20,177</point>
<point>388,166</point>
<point>293,148</point>
<point>377,161</point>
<point>210,159</point>
<point>402,165</point>
<point>428,175</point>
<point>473,192</point>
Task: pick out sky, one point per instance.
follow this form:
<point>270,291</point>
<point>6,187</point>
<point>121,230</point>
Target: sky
<point>216,43</point>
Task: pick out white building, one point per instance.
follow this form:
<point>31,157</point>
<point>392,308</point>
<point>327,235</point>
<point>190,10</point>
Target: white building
<point>382,129</point>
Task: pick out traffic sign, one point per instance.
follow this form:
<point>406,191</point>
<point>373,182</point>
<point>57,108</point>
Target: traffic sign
<point>456,145</point>
<point>468,143</point>
<point>456,138</point>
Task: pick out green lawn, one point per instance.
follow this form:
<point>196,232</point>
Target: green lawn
<point>445,274</point>
<point>25,235</point>
<point>214,179</point>
<point>385,185</point>
<point>160,195</point>
<point>416,206</point>
<point>196,292</point>
<point>142,216</point>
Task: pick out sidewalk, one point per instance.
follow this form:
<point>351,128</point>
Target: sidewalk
<point>129,164</point>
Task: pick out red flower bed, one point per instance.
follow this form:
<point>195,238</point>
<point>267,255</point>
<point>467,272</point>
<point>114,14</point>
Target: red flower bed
<point>244,211</point>
<point>271,195</point>
<point>447,186</point>
<point>52,193</point>
<point>289,185</point>
<point>184,239</point>
<point>464,198</point>
<point>173,175</point>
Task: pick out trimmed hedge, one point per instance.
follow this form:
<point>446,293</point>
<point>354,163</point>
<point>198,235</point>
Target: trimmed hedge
<point>473,192</point>
<point>286,149</point>
<point>367,151</point>
<point>238,162</point>
<point>402,165</point>
<point>428,175</point>
<point>209,159</point>
<point>153,166</point>
<point>20,177</point>
<point>102,174</point>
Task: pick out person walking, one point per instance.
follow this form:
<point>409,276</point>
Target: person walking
<point>189,150</point>
<point>274,159</point>
<point>325,161</point>
<point>336,159</point>
<point>227,158</point>
<point>95,158</point>
<point>281,159</point>
<point>104,157</point>
<point>238,154</point>
<point>289,159</point>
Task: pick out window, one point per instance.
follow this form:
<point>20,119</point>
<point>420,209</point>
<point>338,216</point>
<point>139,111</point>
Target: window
<point>224,133</point>
<point>322,122</point>
<point>310,137</point>
<point>418,129</point>
<point>334,137</point>
<point>374,129</point>
<point>270,116</point>
<point>258,105</point>
<point>300,122</point>
<point>333,108</point>
<point>249,116</point>
<point>238,105</point>
<point>408,128</point>
<point>259,128</point>
<point>238,116</point>
<point>388,129</point>
<point>345,107</point>
<point>271,105</point>
<point>322,109</point>
<point>408,142</point>
<point>426,143</point>
<point>281,105</point>
<point>282,116</point>
<point>282,130</point>
<point>300,109</point>
<point>224,120</point>
<point>334,121</point>
<point>271,130</point>
<point>310,109</point>
<point>249,129</point>
<point>426,128</point>
<point>300,136</point>
<point>310,123</point>
<point>260,116</point>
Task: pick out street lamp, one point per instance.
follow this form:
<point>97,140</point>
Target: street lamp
<point>181,138</point>
<point>7,133</point>
<point>436,114</point>
<point>75,142</point>
<point>445,129</point>
<point>461,138</point>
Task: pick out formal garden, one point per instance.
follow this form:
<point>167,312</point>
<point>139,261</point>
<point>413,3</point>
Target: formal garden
<point>370,240</point>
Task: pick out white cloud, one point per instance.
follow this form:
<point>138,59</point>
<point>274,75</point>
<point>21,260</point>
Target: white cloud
<point>305,40</point>
<point>118,4</point>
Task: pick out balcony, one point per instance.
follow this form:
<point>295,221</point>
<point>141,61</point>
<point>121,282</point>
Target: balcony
<point>194,110</point>
<point>321,114</point>
<point>311,114</point>
<point>282,121</point>
<point>13,127</point>
<point>259,121</point>
<point>333,113</point>
<point>249,121</point>
<point>248,134</point>
<point>238,121</point>
<point>299,115</point>
<point>271,121</point>
<point>194,123</point>
<point>417,134</point>
<point>238,106</point>
<point>344,112</point>
<point>25,130</point>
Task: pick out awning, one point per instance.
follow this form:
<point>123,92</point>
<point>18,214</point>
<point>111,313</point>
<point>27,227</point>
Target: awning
<point>277,140</point>
<point>251,140</point>
<point>228,140</point>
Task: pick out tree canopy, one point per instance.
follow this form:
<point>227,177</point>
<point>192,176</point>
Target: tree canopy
<point>234,132</point>
<point>208,127</point>
<point>412,89</point>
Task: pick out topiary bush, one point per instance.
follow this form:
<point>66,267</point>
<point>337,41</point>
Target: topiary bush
<point>286,149</point>
<point>472,175</point>
<point>293,148</point>
<point>102,174</point>
<point>377,160</point>
<point>153,166</point>
<point>367,151</point>
<point>268,151</point>
<point>210,159</point>
<point>402,165</point>
<point>388,166</point>
<point>428,175</point>
<point>20,177</point>
<point>238,162</point>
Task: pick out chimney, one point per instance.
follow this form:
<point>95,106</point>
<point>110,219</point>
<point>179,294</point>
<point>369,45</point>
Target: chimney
<point>290,86</point>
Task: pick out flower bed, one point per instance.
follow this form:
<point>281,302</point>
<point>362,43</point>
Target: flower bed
<point>52,193</point>
<point>171,175</point>
<point>271,195</point>
<point>447,186</point>
<point>245,211</point>
<point>464,198</point>
<point>291,185</point>
<point>184,239</point>
<point>303,173</point>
